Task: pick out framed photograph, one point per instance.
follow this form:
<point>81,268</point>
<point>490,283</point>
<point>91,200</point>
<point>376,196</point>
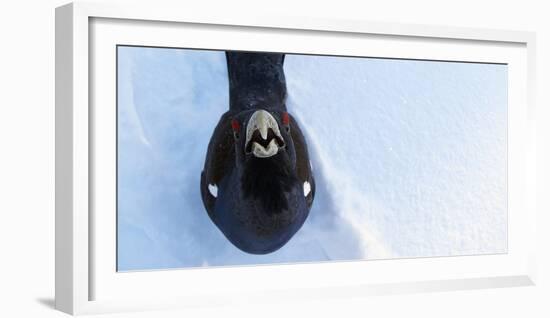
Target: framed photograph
<point>205,159</point>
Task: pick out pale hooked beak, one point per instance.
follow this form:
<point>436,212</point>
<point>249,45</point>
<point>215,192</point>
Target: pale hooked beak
<point>263,137</point>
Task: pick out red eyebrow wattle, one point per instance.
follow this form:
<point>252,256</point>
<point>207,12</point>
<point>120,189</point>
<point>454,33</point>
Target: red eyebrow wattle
<point>235,125</point>
<point>286,118</point>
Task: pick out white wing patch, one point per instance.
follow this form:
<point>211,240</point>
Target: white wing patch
<point>307,188</point>
<point>213,189</point>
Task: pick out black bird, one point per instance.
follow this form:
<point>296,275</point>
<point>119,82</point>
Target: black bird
<point>257,185</point>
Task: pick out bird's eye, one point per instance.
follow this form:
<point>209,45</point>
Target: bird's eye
<point>236,127</point>
<point>286,121</point>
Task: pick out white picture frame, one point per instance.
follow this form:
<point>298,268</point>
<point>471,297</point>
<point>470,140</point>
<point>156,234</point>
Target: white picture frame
<point>85,280</point>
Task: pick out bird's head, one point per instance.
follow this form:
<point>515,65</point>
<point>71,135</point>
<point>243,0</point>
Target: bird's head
<point>265,156</point>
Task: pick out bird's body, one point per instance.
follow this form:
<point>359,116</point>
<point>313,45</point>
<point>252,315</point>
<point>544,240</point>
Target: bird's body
<point>257,185</point>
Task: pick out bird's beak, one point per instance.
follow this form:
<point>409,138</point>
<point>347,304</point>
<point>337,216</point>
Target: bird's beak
<point>263,137</point>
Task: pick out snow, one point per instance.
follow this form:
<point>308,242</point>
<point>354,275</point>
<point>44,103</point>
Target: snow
<point>409,158</point>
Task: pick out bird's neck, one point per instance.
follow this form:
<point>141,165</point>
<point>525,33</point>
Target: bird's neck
<point>256,80</point>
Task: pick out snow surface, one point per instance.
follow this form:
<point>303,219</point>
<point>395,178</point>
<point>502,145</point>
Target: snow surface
<point>409,158</point>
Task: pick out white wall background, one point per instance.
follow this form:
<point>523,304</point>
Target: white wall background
<point>27,159</point>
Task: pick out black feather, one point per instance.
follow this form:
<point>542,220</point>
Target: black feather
<point>267,180</point>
